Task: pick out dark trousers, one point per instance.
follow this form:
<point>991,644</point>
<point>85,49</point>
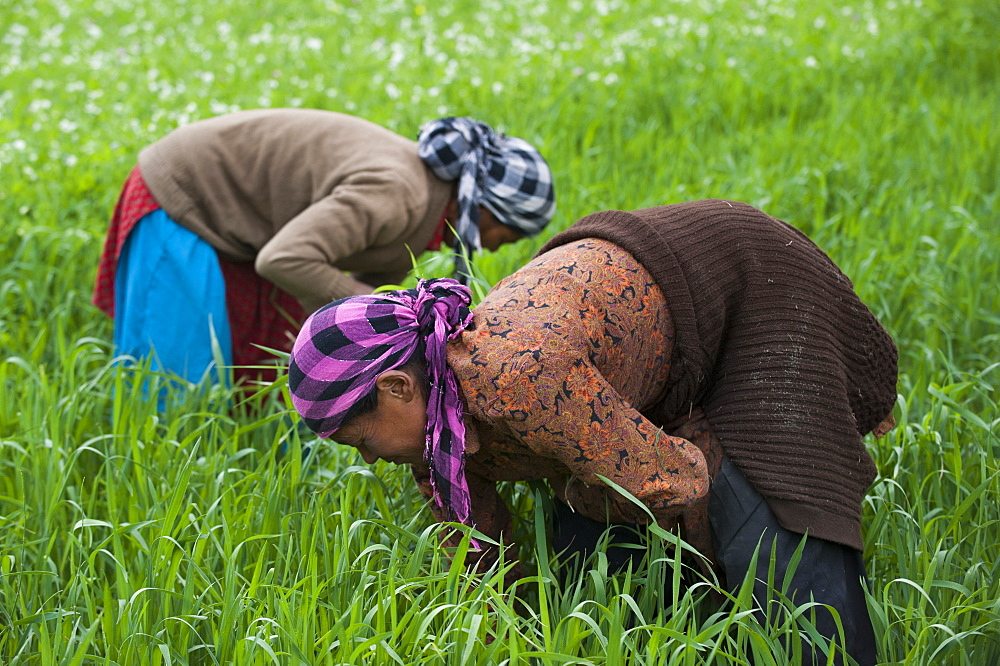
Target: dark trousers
<point>827,572</point>
<point>576,537</point>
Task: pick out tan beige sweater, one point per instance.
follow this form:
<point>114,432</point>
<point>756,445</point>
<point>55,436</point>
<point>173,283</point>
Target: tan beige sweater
<point>305,194</point>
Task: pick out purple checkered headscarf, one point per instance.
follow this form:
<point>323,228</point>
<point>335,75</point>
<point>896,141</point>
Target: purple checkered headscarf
<point>343,347</point>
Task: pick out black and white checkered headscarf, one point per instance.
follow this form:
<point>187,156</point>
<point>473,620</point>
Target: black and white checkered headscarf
<point>505,174</point>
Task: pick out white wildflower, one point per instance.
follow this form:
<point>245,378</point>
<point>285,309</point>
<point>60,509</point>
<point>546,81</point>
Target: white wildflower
<point>39,104</point>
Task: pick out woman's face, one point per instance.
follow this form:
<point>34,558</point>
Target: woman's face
<point>493,233</point>
<point>394,432</point>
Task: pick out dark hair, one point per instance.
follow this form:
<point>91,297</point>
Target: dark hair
<point>368,403</point>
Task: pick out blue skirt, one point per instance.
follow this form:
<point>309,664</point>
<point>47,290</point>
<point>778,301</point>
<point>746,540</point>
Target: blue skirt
<point>170,301</point>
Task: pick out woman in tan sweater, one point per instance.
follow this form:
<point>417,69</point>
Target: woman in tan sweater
<point>705,357</point>
<point>230,230</point>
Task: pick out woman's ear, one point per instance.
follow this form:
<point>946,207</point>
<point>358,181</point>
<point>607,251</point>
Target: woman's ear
<point>395,384</point>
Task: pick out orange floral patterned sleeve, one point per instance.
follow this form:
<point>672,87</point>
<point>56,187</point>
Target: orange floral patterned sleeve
<point>565,355</point>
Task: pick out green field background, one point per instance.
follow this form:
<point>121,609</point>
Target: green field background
<point>210,535</point>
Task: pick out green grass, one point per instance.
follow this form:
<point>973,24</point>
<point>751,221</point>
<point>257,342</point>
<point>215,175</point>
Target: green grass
<point>204,535</point>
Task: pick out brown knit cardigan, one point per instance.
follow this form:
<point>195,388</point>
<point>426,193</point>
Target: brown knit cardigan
<point>789,366</point>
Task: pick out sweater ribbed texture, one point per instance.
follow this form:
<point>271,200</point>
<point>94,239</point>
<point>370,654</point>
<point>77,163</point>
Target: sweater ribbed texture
<point>790,367</point>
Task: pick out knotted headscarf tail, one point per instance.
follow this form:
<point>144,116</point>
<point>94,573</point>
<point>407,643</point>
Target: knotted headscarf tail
<point>343,347</point>
<point>504,173</point>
